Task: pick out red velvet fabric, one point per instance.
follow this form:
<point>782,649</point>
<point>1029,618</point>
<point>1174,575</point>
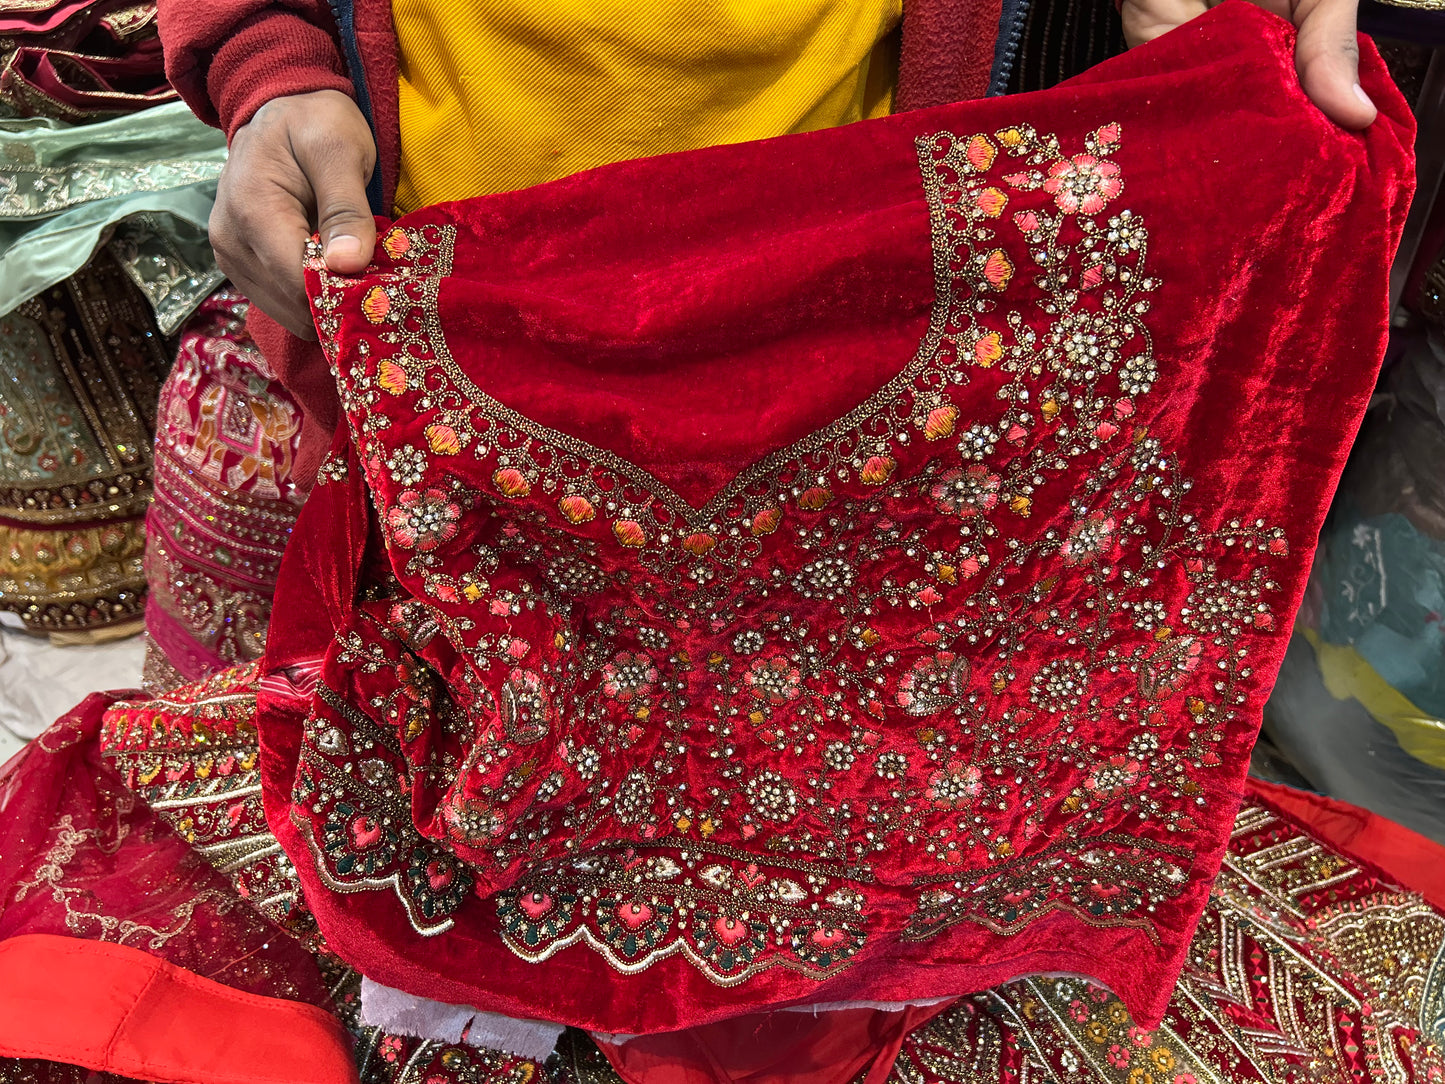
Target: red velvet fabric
<point>229,58</point>
<point>837,1046</point>
<point>841,567</point>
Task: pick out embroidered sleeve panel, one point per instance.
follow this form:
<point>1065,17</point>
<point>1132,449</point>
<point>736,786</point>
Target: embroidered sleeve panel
<point>904,634</point>
<point>962,677</point>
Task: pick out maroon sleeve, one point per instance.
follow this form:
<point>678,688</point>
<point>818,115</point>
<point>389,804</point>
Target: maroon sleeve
<point>227,58</point>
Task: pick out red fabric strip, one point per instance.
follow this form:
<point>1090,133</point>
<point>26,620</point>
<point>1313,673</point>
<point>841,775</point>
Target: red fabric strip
<point>116,1009</point>
<point>1410,859</point>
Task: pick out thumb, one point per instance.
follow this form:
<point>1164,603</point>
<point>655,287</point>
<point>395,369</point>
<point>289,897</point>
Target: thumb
<point>1327,57</point>
<point>343,217</point>
<point>348,231</point>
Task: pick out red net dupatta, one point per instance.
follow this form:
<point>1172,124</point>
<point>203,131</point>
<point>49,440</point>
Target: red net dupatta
<point>842,567</point>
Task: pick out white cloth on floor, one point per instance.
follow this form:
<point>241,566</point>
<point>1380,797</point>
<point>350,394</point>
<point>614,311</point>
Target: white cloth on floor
<point>40,682</point>
<point>405,1014</point>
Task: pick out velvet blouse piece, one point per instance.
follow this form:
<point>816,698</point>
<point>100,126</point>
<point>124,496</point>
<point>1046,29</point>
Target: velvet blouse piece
<point>842,567</point>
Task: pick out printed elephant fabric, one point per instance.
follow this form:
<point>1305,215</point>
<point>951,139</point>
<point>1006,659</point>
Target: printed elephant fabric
<point>846,567</point>
<point>225,500</point>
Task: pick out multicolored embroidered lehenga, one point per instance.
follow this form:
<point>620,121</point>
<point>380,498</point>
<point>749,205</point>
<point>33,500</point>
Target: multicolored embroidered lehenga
<point>106,184</point>
<point>848,578</point>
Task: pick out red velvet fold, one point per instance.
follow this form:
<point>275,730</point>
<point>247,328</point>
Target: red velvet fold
<point>841,567</point>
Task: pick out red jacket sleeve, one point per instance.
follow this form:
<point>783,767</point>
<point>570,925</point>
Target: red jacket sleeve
<point>227,58</point>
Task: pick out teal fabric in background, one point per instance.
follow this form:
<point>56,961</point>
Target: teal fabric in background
<point>142,184</point>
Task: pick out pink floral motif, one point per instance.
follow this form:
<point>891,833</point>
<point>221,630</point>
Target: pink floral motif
<point>628,677</point>
<point>954,784</point>
<point>774,680</point>
<point>965,492</point>
<point>1078,1011</point>
<point>1119,773</point>
<point>933,684</point>
<point>1089,538</point>
<point>1083,183</point>
<point>423,520</point>
<point>1119,1056</point>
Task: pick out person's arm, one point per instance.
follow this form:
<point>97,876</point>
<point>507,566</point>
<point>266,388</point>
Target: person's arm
<point>227,58</point>
<point>270,74</point>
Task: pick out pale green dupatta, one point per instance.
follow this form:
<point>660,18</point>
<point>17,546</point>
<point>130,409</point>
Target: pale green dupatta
<point>142,184</point>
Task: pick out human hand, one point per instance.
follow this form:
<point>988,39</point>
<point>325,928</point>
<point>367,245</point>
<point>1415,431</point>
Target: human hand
<point>298,167</point>
<point>1326,54</point>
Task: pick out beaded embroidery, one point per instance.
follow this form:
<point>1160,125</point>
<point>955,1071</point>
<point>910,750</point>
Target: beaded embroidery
<point>1046,724</point>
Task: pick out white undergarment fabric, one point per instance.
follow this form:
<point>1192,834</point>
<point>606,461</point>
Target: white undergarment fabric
<point>405,1014</point>
<point>40,682</point>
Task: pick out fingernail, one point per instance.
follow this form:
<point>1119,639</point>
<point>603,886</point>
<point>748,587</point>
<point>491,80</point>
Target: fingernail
<point>342,247</point>
<point>1360,94</point>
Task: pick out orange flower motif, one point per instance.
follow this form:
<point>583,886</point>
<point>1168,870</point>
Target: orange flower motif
<point>997,269</point>
<point>766,521</point>
<point>877,470</point>
<point>396,243</point>
<point>392,377</point>
<point>443,439</point>
<point>577,508</point>
<point>1021,505</point>
<point>630,533</point>
<point>512,483</point>
<point>815,498</point>
<point>699,543</point>
<point>988,349</point>
<point>376,304</point>
<point>991,202</point>
<point>979,153</point>
<point>1010,137</point>
<point>940,422</point>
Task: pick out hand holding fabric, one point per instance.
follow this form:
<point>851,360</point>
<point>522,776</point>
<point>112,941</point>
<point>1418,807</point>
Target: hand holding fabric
<point>299,166</point>
<point>1326,54</point>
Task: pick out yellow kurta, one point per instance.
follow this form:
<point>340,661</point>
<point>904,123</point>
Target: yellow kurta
<point>503,94</point>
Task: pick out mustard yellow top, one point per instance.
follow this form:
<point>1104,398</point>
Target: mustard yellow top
<point>503,94</point>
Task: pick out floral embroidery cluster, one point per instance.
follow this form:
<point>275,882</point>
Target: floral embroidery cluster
<point>966,655</point>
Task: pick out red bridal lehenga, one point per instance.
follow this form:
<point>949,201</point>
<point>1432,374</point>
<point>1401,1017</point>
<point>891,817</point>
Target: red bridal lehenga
<point>842,571</point>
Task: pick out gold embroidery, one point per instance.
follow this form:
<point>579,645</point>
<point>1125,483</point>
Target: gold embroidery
<point>991,647</point>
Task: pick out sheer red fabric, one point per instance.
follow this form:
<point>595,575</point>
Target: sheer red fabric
<point>842,567</point>
<point>122,949</point>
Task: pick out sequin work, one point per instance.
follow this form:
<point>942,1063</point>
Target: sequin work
<point>797,599</point>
